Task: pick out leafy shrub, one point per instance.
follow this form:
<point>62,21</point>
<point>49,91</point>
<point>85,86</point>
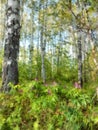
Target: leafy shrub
<point>36,107</point>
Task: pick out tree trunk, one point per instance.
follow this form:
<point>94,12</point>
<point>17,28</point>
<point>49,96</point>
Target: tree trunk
<point>31,46</point>
<point>11,48</point>
<point>43,41</point>
<point>43,46</point>
<point>58,54</point>
<point>80,61</point>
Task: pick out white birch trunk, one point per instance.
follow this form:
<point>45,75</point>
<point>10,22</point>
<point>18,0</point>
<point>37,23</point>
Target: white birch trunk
<point>11,48</point>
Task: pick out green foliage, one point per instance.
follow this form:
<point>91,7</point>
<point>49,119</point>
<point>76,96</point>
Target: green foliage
<point>67,71</point>
<point>35,106</point>
<point>5,126</point>
<point>26,71</point>
<point>31,71</point>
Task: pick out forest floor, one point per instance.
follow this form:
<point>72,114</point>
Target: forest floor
<point>32,105</point>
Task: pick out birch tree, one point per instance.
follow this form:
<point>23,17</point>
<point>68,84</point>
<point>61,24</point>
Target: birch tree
<point>11,48</point>
<point>43,40</point>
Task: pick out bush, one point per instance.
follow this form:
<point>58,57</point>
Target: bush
<point>36,107</point>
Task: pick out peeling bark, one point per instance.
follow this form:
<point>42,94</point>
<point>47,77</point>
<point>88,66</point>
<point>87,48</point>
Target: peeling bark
<point>11,48</point>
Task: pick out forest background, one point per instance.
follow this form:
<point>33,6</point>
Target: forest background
<point>57,65</point>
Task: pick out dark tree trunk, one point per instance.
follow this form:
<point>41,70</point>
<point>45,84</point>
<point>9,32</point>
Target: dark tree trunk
<point>80,61</point>
<point>11,48</point>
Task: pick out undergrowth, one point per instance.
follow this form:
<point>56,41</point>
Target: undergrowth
<point>35,106</point>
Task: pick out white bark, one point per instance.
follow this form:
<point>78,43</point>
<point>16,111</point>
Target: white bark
<point>11,48</point>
